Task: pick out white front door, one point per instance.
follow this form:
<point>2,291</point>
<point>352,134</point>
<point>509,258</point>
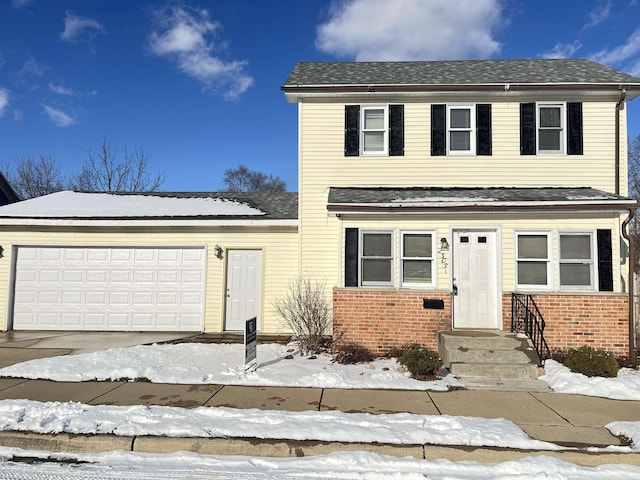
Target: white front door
<point>243,287</point>
<point>475,279</point>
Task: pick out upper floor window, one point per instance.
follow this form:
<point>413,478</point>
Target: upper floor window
<point>576,260</point>
<point>373,130</point>
<point>551,131</point>
<point>551,128</point>
<point>460,130</point>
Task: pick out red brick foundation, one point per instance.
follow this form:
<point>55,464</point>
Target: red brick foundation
<point>572,320</point>
<point>383,319</point>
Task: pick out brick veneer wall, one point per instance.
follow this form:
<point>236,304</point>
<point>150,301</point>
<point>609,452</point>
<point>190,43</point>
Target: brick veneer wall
<point>381,319</point>
<point>573,320</point>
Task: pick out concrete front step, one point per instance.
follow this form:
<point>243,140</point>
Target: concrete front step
<point>488,354</point>
<point>500,370</point>
<point>465,355</point>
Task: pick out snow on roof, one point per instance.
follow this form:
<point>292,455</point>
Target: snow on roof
<point>442,199</point>
<point>76,204</point>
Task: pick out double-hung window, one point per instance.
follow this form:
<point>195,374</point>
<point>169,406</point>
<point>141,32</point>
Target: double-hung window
<point>461,137</point>
<point>376,258</point>
<point>576,260</point>
<point>533,263</point>
<point>417,259</point>
<point>374,130</point>
<point>551,131</point>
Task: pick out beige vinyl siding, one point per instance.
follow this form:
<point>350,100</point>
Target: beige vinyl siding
<point>323,164</point>
<point>278,246</point>
<point>506,226</point>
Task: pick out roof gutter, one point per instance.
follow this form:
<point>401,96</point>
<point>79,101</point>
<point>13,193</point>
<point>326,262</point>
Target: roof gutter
<point>503,87</point>
<point>619,107</point>
<point>630,283</point>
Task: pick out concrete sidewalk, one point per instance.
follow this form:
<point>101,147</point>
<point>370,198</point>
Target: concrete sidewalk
<point>567,420</point>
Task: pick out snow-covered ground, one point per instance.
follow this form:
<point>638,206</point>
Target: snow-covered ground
<point>340,465</point>
<point>222,364</point>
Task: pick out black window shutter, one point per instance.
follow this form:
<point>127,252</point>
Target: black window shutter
<point>574,128</point>
<point>351,257</point>
<point>527,129</point>
<point>396,130</point>
<point>483,129</point>
<point>351,130</point>
<point>605,261</point>
<point>438,130</point>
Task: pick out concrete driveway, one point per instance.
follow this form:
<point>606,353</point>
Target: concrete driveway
<point>20,346</point>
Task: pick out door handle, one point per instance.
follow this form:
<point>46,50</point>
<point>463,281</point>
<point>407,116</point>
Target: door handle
<point>454,290</point>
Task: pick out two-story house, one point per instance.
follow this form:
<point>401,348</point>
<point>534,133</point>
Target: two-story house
<point>430,192</point>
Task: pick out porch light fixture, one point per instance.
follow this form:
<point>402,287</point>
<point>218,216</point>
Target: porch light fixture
<point>444,245</point>
<point>217,251</point>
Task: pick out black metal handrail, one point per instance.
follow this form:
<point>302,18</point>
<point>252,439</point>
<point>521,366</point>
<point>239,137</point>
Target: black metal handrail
<point>527,319</point>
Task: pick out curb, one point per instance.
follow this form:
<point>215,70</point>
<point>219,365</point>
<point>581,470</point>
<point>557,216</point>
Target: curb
<point>73,443</point>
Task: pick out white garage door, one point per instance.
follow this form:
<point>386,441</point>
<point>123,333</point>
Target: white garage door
<point>126,289</point>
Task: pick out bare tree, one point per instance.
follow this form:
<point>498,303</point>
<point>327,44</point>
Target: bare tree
<point>106,171</point>
<point>35,177</point>
<point>242,179</point>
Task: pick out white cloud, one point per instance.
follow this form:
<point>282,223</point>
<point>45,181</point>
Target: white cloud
<point>60,89</point>
<point>4,100</point>
<point>598,15</point>
<point>411,29</point>
<point>18,4</point>
<point>184,35</point>
<point>77,27</point>
<point>563,50</point>
<point>629,51</point>
<point>58,117</point>
<point>31,67</point>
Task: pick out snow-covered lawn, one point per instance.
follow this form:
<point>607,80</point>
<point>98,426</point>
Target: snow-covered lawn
<point>191,363</point>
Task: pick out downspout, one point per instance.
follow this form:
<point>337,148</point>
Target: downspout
<point>630,288</point>
<point>619,106</point>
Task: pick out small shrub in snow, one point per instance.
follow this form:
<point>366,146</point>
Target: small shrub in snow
<point>351,353</point>
<point>307,312</point>
<point>398,351</point>
<point>591,362</point>
<point>423,364</point>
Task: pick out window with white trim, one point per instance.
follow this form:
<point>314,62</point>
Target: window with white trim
<point>417,259</point>
<point>376,258</point>
<point>374,123</point>
<point>551,131</point>
<point>533,260</point>
<point>461,130</point>
<point>576,260</point>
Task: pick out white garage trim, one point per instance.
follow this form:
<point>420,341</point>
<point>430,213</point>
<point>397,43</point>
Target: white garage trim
<point>109,288</point>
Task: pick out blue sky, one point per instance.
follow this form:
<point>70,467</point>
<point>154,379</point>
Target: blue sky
<point>196,84</point>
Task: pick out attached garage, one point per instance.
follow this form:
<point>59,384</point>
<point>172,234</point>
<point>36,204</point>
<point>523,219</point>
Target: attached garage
<point>115,289</point>
<point>160,261</point>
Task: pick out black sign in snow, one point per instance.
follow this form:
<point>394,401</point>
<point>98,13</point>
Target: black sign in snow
<point>250,342</point>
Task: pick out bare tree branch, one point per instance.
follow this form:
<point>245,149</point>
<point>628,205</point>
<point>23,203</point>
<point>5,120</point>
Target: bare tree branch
<point>242,179</point>
<point>107,171</point>
<point>35,177</point>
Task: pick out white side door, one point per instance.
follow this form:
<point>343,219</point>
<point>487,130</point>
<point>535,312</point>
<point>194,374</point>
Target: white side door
<point>244,270</point>
<point>475,279</point>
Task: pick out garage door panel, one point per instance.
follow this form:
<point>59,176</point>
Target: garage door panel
<point>109,289</point>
